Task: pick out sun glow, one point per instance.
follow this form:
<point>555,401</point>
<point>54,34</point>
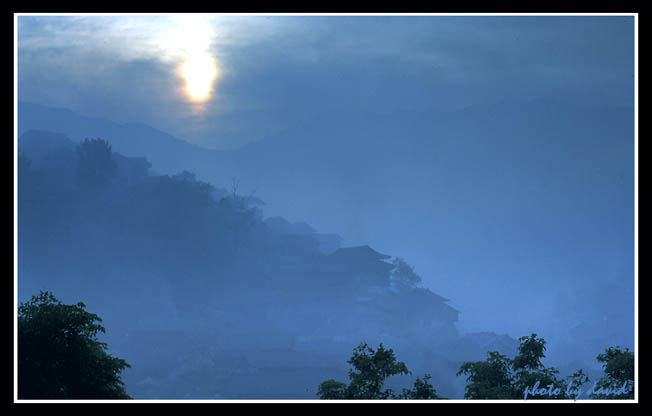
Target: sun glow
<point>199,72</point>
<point>192,36</point>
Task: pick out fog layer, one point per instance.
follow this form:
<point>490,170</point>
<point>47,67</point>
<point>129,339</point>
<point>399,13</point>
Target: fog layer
<point>252,273</point>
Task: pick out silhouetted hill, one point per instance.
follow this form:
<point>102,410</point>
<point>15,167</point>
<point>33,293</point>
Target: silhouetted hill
<point>166,152</point>
<point>178,268</point>
<point>388,180</point>
<point>364,161</point>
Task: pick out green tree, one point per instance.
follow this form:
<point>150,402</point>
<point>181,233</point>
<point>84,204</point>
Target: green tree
<point>59,355</point>
<point>618,381</point>
<point>370,369</point>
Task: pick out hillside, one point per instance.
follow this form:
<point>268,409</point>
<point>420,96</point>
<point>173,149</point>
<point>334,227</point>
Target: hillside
<point>523,205</point>
<point>187,275</point>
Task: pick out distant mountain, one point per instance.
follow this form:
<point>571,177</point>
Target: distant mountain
<point>169,154</point>
<point>379,178</point>
<point>352,172</point>
<point>363,161</point>
<point>387,178</point>
<point>205,273</point>
<point>80,238</point>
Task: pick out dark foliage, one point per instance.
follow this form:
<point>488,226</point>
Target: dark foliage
<point>618,380</point>
<point>59,355</point>
<point>95,164</point>
<point>370,369</point>
<point>526,377</point>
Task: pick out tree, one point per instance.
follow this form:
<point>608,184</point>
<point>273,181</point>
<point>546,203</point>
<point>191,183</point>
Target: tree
<point>59,355</point>
<point>524,377</point>
<point>490,379</point>
<point>95,164</point>
<point>332,390</point>
<point>531,372</point>
<point>423,390</point>
<point>372,368</point>
<point>618,381</point>
<point>403,275</point>
<point>368,375</point>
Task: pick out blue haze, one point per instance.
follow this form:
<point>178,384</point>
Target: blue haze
<point>494,154</point>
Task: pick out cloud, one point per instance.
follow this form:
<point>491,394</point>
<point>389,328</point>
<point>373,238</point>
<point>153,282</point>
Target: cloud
<point>294,66</point>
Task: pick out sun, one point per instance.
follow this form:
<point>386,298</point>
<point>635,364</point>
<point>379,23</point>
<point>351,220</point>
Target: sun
<point>200,73</point>
<point>189,41</point>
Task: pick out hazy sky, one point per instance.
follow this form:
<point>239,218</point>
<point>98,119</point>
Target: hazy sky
<point>268,73</point>
<point>271,71</point>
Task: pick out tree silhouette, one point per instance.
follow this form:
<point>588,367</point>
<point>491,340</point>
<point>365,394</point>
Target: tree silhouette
<point>618,381</point>
<point>368,375</point>
<point>489,379</point>
<point>502,378</point>
<point>529,370</point>
<point>59,356</point>
<point>95,164</point>
<point>403,275</point>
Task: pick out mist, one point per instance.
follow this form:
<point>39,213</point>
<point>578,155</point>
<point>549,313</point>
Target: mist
<point>422,193</point>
